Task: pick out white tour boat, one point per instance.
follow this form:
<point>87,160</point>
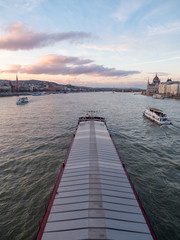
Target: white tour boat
<point>157,116</point>
<point>22,100</point>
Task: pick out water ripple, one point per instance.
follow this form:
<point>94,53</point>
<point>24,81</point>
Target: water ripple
<point>34,140</point>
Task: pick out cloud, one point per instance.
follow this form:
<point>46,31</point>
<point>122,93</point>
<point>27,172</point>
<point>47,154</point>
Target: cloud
<point>109,48</point>
<point>66,65</point>
<point>23,4</point>
<point>126,9</point>
<point>30,4</point>
<point>159,73</point>
<point>19,37</point>
<point>164,29</point>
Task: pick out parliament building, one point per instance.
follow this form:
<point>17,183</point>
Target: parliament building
<point>153,88</point>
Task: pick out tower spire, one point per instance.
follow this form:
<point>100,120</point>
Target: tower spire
<point>148,82</point>
<point>17,84</point>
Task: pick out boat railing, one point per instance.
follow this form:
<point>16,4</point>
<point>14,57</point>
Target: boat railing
<point>91,118</point>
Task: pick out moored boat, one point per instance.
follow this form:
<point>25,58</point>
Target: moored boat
<point>157,116</point>
<point>22,100</point>
<point>158,96</point>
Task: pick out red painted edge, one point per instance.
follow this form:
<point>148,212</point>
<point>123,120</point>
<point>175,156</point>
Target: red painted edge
<point>139,202</point>
<point>46,215</point>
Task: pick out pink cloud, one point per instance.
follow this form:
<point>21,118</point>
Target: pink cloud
<point>62,60</point>
<point>19,37</point>
<point>11,69</point>
<point>66,65</point>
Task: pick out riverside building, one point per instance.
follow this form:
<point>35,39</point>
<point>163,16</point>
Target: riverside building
<point>170,88</point>
<point>153,88</point>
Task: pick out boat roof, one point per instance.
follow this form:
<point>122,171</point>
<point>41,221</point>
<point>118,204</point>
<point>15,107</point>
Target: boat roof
<point>91,118</point>
<point>94,197</point>
<point>155,110</point>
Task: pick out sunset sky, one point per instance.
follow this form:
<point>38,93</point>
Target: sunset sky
<point>99,43</point>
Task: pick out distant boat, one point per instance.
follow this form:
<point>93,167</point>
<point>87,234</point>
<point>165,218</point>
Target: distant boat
<point>36,94</point>
<point>158,96</point>
<point>157,116</point>
<point>39,93</point>
<point>22,100</point>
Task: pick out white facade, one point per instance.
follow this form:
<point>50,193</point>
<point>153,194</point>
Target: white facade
<point>162,88</point>
<point>170,88</point>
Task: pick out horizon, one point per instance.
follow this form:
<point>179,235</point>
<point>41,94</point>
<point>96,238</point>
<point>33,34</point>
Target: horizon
<point>73,85</point>
<point>97,43</point>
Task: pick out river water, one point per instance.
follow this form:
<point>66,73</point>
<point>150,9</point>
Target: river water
<point>34,140</point>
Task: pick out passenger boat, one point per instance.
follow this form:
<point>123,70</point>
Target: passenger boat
<point>22,100</point>
<point>157,116</point>
<point>94,197</point>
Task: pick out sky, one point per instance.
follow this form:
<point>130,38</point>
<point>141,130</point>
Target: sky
<point>95,43</point>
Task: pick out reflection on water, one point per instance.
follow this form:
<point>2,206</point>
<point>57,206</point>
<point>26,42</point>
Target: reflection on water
<point>34,139</point>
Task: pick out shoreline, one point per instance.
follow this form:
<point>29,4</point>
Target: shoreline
<point>165,97</point>
<point>31,94</point>
<point>14,94</point>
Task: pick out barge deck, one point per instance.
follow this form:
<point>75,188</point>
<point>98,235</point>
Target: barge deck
<point>94,197</point>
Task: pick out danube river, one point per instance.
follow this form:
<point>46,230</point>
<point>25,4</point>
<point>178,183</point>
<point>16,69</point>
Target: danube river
<point>34,140</point>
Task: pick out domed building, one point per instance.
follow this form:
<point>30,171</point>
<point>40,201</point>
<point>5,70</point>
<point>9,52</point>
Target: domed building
<point>153,88</point>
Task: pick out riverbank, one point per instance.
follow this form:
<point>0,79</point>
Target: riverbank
<point>171,97</point>
<point>14,94</point>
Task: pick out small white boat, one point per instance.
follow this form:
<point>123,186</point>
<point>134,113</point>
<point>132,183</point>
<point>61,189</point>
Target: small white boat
<point>158,96</point>
<point>22,100</point>
<point>157,116</point>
